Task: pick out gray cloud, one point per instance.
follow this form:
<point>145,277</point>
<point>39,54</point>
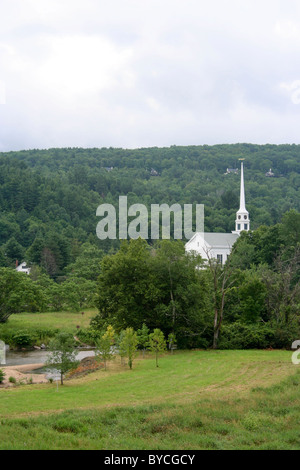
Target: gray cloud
<point>151,73</point>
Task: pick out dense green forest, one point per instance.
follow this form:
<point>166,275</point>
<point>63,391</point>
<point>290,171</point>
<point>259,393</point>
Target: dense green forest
<point>48,201</point>
<point>48,198</point>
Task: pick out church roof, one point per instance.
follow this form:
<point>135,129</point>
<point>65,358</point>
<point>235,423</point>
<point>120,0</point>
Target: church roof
<point>220,239</point>
<point>214,239</point>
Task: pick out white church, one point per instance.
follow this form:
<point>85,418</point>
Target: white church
<point>219,245</point>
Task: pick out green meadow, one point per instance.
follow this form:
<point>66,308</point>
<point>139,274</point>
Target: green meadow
<point>193,400</point>
<point>47,320</point>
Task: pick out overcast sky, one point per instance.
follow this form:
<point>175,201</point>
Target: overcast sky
<point>141,73</point>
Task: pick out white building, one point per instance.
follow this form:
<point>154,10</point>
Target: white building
<point>219,245</point>
<point>23,268</point>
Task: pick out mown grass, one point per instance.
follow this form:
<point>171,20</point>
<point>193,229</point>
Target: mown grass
<point>194,400</point>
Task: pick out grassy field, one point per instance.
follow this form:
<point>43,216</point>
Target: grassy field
<point>62,320</point>
<point>194,400</point>
<point>41,327</point>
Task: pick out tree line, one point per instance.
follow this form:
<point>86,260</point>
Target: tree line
<point>48,198</point>
<point>250,302</point>
<point>48,202</point>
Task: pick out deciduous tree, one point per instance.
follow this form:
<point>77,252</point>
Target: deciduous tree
<point>62,354</point>
<point>157,343</point>
<point>128,345</point>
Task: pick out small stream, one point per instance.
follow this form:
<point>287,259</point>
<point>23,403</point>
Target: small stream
<point>16,358</point>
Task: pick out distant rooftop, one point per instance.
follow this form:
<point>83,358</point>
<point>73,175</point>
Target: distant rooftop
<point>269,173</point>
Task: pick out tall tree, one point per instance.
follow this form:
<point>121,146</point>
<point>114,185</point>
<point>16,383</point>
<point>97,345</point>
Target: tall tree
<point>222,280</point>
<point>126,286</point>
<point>18,293</point>
<point>182,300</point>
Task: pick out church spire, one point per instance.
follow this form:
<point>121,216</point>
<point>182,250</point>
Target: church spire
<point>242,221</point>
<point>242,189</point>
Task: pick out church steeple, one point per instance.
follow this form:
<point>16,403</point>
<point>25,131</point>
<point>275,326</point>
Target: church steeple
<point>242,221</point>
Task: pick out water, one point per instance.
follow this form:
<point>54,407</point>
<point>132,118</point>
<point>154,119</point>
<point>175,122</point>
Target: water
<point>39,356</point>
<point>17,358</point>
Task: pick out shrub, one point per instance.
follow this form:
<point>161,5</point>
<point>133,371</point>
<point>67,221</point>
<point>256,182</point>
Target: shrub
<point>244,336</point>
<point>87,336</point>
<point>24,338</point>
<point>2,375</point>
<point>284,335</point>
<point>43,334</point>
<point>258,335</point>
<point>252,421</point>
<point>12,380</point>
<point>16,336</point>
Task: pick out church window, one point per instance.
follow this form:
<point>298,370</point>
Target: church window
<point>220,259</point>
<point>239,226</point>
<point>245,226</point>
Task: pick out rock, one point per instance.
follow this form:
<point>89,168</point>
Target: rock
<point>43,346</point>
<point>36,347</point>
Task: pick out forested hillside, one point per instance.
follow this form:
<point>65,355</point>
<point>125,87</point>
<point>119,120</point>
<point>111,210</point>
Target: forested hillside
<point>48,218</point>
<point>48,198</point>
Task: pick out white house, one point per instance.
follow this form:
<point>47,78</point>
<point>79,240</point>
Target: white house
<point>219,245</point>
<point>23,268</point>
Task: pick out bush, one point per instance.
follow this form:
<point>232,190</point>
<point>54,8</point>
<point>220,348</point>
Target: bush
<point>24,339</point>
<point>44,334</point>
<point>187,339</point>
<point>12,380</point>
<point>244,336</point>
<point>2,375</point>
<point>258,335</point>
<point>284,335</point>
<point>27,338</point>
<point>88,336</point>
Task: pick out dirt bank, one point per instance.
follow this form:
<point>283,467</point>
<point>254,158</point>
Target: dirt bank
<point>20,373</point>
